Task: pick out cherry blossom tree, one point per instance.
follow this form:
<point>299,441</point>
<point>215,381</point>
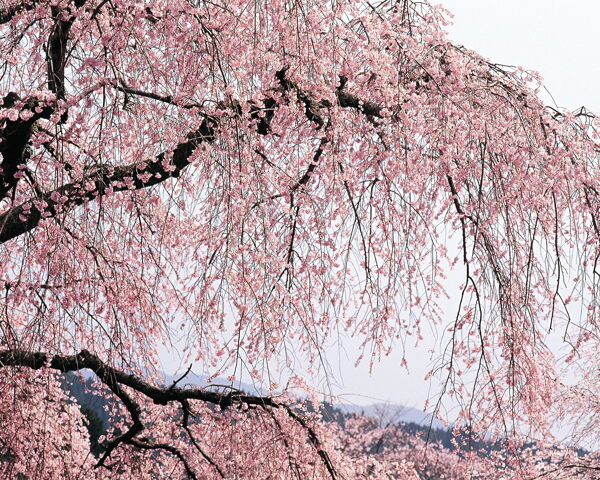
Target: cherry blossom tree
<point>245,178</point>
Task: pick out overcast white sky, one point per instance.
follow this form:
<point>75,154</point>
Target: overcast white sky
<point>558,38</point>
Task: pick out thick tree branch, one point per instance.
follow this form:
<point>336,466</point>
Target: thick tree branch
<point>115,379</point>
<point>16,134</point>
<point>345,99</point>
<point>15,137</point>
<point>57,47</point>
<point>185,406</point>
<point>112,381</point>
<point>25,217</point>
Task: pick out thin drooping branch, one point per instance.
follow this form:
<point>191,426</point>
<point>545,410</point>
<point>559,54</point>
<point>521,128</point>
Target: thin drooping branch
<point>167,448</point>
<point>154,96</point>
<point>303,180</point>
<point>314,439</point>
<point>134,412</point>
<point>115,379</point>
<point>185,406</point>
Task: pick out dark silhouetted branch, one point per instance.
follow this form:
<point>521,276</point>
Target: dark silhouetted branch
<point>115,379</point>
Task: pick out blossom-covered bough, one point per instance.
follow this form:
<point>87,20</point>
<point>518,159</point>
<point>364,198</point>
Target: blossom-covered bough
<point>243,178</point>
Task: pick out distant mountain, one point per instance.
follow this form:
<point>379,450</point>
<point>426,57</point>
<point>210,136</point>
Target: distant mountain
<point>390,412</point>
<point>95,407</point>
<point>83,391</point>
<point>394,413</point>
<point>98,410</point>
<point>411,420</point>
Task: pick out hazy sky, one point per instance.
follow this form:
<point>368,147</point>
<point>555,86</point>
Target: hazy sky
<point>559,39</point>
